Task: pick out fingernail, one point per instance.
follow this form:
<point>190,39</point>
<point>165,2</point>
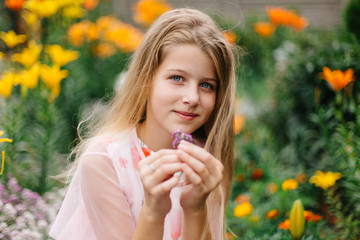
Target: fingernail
<point>182,145</point>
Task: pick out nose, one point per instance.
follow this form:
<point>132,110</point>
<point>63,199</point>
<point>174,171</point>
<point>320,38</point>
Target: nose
<point>191,95</point>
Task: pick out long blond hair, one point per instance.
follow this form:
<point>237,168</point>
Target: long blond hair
<point>128,107</point>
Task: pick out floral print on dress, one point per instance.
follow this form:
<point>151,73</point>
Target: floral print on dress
<point>175,223</point>
<point>108,140</point>
<point>135,157</point>
<point>123,162</point>
<point>175,214</point>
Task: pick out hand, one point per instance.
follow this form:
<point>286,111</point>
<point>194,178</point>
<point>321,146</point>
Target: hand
<point>157,175</point>
<point>203,173</point>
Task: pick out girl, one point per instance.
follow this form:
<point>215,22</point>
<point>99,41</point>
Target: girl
<point>181,77</point>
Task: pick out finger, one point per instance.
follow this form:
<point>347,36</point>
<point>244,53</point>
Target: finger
<point>161,153</point>
<point>168,158</point>
<point>162,174</point>
<point>213,165</point>
<point>166,170</point>
<point>156,159</point>
<point>198,166</point>
<point>166,186</point>
<point>162,161</point>
<point>191,176</point>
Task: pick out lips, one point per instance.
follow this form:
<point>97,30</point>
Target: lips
<point>186,115</point>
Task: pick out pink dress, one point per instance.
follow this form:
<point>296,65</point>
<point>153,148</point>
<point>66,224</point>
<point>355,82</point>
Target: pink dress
<point>105,195</point>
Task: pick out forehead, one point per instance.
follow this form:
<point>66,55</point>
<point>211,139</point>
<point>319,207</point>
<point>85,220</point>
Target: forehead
<point>189,58</point>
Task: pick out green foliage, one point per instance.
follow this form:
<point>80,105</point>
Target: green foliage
<point>351,17</point>
<point>43,132</point>
<point>37,130</point>
<point>298,125</point>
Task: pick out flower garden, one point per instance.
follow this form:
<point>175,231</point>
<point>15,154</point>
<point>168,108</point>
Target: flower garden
<point>297,120</point>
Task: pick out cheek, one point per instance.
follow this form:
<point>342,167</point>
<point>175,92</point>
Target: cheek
<point>209,104</point>
<point>161,96</point>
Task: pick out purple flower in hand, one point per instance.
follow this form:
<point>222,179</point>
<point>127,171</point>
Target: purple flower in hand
<point>179,135</point>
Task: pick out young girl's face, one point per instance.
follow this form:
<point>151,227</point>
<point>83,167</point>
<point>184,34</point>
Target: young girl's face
<point>183,91</point>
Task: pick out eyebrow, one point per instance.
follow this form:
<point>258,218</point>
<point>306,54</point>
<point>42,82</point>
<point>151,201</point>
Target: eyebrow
<point>186,73</point>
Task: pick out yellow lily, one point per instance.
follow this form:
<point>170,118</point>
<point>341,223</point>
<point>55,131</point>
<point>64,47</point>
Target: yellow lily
<point>4,139</point>
<point>3,162</point>
<point>52,76</point>
<point>29,55</point>
<point>243,209</point>
<point>73,11</point>
<point>29,78</point>
<point>297,220</point>
<point>59,55</point>
<point>325,180</point>
<point>6,83</point>
<point>30,18</point>
<point>289,184</point>
<point>3,152</point>
<point>55,91</point>
<point>11,39</point>
<point>67,3</point>
<point>42,8</point>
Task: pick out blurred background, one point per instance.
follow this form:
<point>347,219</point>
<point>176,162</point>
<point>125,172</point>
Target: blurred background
<point>297,120</point>
<point>318,12</point>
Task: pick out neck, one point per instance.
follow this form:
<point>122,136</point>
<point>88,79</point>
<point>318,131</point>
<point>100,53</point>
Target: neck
<point>154,139</point>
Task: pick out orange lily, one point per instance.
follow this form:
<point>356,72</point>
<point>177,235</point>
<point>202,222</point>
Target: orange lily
<point>15,5</point>
<point>147,11</point>
<point>230,36</point>
<point>90,4</point>
<point>264,29</point>
<point>337,79</point>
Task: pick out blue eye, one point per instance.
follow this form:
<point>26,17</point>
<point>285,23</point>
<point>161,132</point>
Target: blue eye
<point>176,78</point>
<point>206,85</point>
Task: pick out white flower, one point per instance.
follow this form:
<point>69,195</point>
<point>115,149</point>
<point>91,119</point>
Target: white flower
<point>5,229</point>
<point>9,211</point>
<point>30,219</point>
<point>30,235</point>
<point>15,234</point>
<point>20,208</point>
<point>3,225</point>
<point>20,222</point>
<point>42,225</point>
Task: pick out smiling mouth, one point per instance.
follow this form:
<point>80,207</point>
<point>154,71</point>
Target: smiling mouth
<point>186,115</point>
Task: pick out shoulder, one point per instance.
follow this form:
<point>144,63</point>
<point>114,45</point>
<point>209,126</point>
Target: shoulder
<point>95,158</point>
<point>102,150</point>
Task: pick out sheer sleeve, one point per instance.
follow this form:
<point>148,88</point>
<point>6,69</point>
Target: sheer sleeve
<point>106,205</point>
